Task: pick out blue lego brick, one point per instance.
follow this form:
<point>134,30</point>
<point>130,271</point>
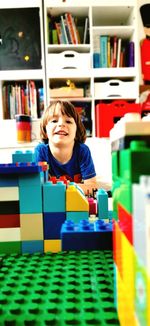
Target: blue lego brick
<point>86,236</point>
<point>76,217</point>
<point>24,157</point>
<point>12,168</point>
<point>54,197</point>
<point>52,224</point>
<point>30,199</point>
<point>8,180</point>
<point>102,204</point>
<point>32,246</point>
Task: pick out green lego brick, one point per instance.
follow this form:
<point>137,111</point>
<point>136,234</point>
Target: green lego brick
<point>67,288</point>
<point>141,293</point>
<point>10,247</point>
<point>135,161</point>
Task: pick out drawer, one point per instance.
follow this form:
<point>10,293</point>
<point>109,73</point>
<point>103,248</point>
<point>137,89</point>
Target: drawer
<point>115,88</point>
<point>68,60</point>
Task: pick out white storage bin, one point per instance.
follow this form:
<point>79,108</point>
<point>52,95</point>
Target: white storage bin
<point>68,60</point>
<point>115,88</point>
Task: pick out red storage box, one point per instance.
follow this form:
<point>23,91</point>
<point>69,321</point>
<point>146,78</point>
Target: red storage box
<point>107,114</point>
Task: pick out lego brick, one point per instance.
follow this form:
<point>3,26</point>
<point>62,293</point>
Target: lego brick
<point>10,247</point>
<point>31,226</point>
<point>102,204</point>
<point>86,236</point>
<point>9,207</point>
<point>117,247</point>
<point>54,197</point>
<point>124,142</point>
<point>9,193</point>
<point>125,223</point>
<point>32,246</point>
<point>8,181</point>
<point>9,234</point>
<point>75,200</point>
<point>77,216</point>
<point>131,124</point>
<point>30,199</point>
<point>24,157</point>
<point>9,221</point>
<point>11,168</point>
<point>52,224</point>
<point>141,220</point>
<point>92,205</point>
<point>135,161</point>
<point>52,245</point>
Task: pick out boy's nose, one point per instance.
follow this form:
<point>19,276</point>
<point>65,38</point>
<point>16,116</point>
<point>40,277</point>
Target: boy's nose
<point>61,122</point>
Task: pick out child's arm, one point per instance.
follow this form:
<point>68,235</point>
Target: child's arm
<point>94,183</point>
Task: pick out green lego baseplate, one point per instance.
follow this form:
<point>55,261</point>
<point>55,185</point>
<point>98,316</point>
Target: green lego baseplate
<point>67,288</point>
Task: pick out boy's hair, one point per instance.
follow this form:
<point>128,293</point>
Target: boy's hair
<point>68,109</point>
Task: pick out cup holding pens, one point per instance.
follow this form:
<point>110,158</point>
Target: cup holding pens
<point>23,128</point>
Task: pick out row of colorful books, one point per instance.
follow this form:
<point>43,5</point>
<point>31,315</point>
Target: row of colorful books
<point>67,29</point>
<point>113,51</point>
<point>22,98</point>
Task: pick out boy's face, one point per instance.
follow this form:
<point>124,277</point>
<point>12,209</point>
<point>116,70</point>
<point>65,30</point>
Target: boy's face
<point>61,129</point>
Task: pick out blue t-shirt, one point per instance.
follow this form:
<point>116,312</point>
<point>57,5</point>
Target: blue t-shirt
<point>80,166</point>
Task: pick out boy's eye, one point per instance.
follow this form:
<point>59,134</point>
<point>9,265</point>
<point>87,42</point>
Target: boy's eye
<point>54,120</point>
<point>68,121</point>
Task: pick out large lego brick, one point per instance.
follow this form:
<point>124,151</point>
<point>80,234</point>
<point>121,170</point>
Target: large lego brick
<point>135,161</point>
<point>10,247</point>
<point>76,217</point>
<point>54,197</point>
<point>24,157</point>
<point>117,246</point>
<point>33,246</point>
<point>10,234</point>
<point>125,222</point>
<point>31,226</point>
<point>9,220</point>
<point>102,204</point>
<point>52,245</point>
<point>8,180</point>
<point>30,199</point>
<point>142,293</point>
<point>52,224</point>
<point>20,168</point>
<point>9,193</point>
<point>76,200</point>
<point>86,236</point>
<point>9,207</point>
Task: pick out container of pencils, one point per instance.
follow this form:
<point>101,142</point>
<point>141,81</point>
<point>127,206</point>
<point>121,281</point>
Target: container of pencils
<point>23,128</point>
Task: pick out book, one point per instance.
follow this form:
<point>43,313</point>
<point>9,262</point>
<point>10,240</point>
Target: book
<point>63,29</point>
<point>86,31</point>
<point>118,52</point>
<point>131,54</point>
<point>114,63</point>
<point>103,50</point>
<point>69,22</point>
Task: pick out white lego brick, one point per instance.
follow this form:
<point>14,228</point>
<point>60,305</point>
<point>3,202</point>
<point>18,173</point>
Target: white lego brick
<point>130,125</point>
<point>9,193</point>
<point>141,220</point>
<point>9,234</point>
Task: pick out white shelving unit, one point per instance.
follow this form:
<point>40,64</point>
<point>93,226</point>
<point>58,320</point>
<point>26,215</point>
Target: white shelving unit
<point>105,18</point>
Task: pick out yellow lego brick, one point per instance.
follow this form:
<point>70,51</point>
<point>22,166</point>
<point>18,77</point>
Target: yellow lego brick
<point>31,226</point>
<point>9,193</point>
<point>126,311</point>
<point>128,266</point>
<point>75,200</point>
<point>52,246</point>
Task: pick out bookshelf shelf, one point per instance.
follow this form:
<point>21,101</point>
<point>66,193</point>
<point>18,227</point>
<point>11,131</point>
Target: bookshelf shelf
<point>104,18</point>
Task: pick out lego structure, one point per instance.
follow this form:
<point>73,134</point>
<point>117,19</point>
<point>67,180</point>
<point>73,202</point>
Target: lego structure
<point>130,142</point>
<point>34,209</point>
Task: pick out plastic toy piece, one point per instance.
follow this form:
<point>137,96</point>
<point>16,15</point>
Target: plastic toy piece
<point>75,200</point>
<point>102,204</point>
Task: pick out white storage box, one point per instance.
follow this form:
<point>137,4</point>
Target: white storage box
<point>115,88</point>
<point>68,60</point>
